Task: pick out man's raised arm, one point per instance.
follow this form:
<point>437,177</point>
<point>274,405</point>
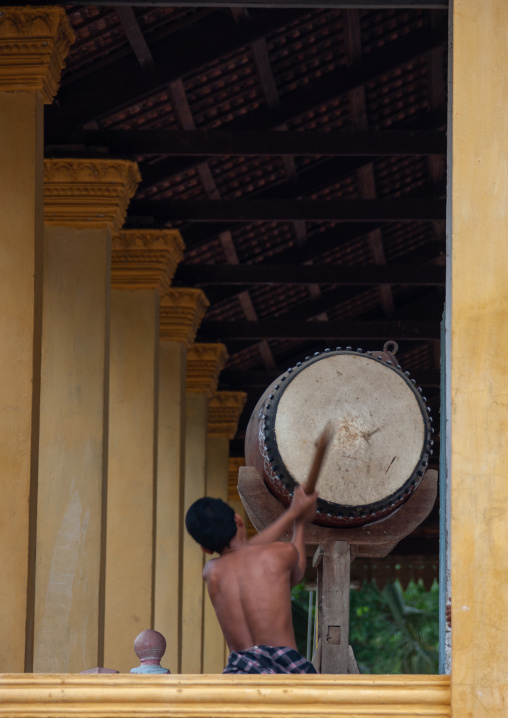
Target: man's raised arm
<point>301,510</point>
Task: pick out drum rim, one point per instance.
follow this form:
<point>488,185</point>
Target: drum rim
<point>331,512</point>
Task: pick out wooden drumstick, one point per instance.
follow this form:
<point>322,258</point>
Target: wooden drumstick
<point>323,443</point>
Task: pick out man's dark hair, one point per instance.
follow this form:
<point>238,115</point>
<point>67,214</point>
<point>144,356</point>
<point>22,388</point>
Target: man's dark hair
<point>211,522</point>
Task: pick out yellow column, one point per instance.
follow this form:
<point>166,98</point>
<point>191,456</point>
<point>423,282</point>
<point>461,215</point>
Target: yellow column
<point>224,410</point>
<point>33,46</point>
<point>181,312</point>
<point>84,200</point>
<point>143,264</point>
<point>204,363</point>
<point>479,367</point>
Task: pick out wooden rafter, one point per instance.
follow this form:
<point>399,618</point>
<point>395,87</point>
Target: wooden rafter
<point>135,36</point>
<point>184,115</point>
<point>313,4</point>
<point>124,83</point>
<point>322,90</point>
<point>329,331</point>
<point>365,175</point>
<point>326,241</point>
<point>210,143</point>
<point>206,274</point>
<point>353,210</point>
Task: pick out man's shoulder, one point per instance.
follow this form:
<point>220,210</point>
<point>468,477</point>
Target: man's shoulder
<point>284,550</point>
<point>209,568</point>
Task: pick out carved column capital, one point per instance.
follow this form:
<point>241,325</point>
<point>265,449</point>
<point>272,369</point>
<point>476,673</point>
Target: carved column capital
<point>204,364</point>
<point>180,314</point>
<point>145,259</point>
<point>224,409</point>
<point>88,193</point>
<point>34,43</point>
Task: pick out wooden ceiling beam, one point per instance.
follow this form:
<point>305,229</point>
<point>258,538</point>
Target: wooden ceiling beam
<point>312,4</point>
<point>350,210</point>
<point>135,36</point>
<point>186,120</point>
<point>124,83</point>
<point>329,331</point>
<point>340,297</point>
<point>265,274</point>
<point>318,245</point>
<point>318,176</point>
<point>365,176</point>
<point>210,143</point>
<point>321,90</point>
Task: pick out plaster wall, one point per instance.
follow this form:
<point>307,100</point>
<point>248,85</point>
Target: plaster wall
<point>479,360</point>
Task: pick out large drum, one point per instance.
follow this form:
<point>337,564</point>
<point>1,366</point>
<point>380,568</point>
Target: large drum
<point>381,434</point>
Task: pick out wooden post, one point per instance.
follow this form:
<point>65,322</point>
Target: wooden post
<point>333,561</point>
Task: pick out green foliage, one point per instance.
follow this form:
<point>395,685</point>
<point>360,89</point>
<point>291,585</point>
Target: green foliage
<point>300,610</point>
<point>391,631</point>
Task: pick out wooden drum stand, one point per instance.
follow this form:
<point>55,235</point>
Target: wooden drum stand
<point>335,549</point>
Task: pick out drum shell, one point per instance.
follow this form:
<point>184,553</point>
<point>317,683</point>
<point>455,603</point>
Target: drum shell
<point>260,453</point>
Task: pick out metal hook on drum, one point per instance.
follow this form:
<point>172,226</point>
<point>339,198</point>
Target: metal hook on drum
<point>391,348</point>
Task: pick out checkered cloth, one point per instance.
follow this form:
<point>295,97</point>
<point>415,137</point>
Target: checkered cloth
<point>266,659</point>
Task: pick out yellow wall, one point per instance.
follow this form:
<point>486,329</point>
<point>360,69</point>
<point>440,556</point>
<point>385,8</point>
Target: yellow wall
<point>479,359</point>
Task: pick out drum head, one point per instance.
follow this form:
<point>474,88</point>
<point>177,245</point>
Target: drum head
<point>381,434</point>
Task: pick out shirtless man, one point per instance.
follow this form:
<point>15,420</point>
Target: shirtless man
<point>250,583</point>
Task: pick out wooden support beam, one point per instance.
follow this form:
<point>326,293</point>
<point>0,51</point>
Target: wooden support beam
<point>430,299</point>
<point>310,181</point>
<point>333,605</point>
<point>342,331</point>
<point>364,4</point>
<point>324,89</point>
<point>201,143</point>
<point>135,36</point>
<point>322,172</point>
<point>116,85</point>
<point>351,210</point>
<point>264,274</point>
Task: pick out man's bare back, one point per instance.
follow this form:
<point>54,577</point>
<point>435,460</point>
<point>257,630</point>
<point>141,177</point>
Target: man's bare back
<point>250,591</point>
<point>250,583</point>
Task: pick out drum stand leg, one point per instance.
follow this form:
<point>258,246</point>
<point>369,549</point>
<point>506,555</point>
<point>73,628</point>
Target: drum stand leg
<point>333,653</point>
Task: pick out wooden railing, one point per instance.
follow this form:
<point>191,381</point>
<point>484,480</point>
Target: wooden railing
<point>220,696</point>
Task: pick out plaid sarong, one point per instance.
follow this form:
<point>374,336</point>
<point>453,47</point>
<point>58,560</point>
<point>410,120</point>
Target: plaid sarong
<point>267,659</point>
